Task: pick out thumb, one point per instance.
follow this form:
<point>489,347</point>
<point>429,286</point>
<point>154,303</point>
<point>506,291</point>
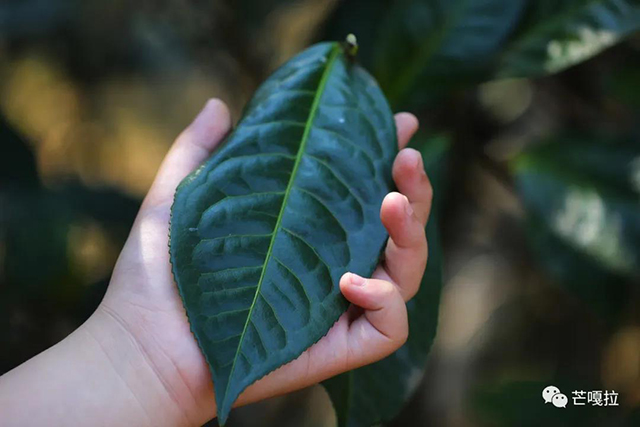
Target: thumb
<point>383,328</point>
<point>192,147</point>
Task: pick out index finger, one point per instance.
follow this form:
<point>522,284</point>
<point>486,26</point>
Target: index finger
<point>407,125</point>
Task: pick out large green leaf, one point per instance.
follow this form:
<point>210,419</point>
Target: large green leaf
<point>376,393</point>
<point>583,203</point>
<point>557,34</point>
<point>262,232</point>
<point>424,46</point>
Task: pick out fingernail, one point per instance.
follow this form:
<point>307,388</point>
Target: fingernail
<point>212,103</point>
<point>417,159</point>
<point>420,165</point>
<point>408,208</point>
<point>209,108</point>
<point>357,280</point>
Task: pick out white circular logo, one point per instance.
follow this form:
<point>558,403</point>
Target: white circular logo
<point>549,392</point>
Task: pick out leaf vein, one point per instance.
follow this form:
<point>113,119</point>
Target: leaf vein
<point>348,141</point>
<point>364,116</point>
<point>233,236</point>
<point>242,196</point>
<point>296,277</point>
<point>303,240</point>
<point>323,81</point>
<point>338,177</point>
<point>274,122</point>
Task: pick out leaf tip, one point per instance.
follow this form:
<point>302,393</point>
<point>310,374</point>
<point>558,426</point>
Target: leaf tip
<point>222,418</point>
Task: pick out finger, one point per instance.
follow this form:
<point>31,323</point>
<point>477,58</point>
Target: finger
<point>191,148</point>
<point>383,327</point>
<point>412,181</point>
<point>407,125</point>
<point>406,250</point>
<point>325,359</point>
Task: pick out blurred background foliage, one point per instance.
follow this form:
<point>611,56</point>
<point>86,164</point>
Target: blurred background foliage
<point>536,103</point>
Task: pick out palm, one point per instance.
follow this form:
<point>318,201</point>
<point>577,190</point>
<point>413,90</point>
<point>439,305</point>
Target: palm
<point>144,300</point>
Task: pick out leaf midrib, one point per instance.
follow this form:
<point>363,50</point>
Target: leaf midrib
<point>305,137</point>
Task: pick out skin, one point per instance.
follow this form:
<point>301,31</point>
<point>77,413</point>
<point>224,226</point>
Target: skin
<point>135,362</point>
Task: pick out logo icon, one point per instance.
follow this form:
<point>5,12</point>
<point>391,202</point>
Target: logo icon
<point>551,394</point>
<point>559,400</point>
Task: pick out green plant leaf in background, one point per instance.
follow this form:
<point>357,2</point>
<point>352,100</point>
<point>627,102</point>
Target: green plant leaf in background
<point>556,34</point>
<point>583,203</point>
<point>263,231</point>
<point>439,43</point>
<point>376,393</point>
<point>604,291</point>
<point>427,46</point>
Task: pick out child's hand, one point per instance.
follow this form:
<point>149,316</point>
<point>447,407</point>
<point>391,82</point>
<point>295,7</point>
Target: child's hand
<point>137,354</point>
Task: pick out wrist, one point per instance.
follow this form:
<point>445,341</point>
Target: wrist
<point>144,395</point>
<point>95,375</point>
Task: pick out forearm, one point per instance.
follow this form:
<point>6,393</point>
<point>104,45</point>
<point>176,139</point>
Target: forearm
<point>81,381</point>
